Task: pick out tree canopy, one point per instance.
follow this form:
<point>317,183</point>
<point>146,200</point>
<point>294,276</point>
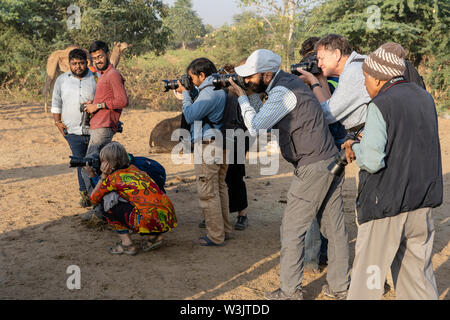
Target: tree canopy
<point>184,22</point>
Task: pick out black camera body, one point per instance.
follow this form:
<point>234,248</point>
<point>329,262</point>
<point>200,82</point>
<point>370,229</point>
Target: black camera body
<point>93,162</point>
<point>185,80</point>
<point>310,64</point>
<point>221,81</point>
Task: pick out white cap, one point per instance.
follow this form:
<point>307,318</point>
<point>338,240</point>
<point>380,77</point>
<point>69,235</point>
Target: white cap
<point>261,60</point>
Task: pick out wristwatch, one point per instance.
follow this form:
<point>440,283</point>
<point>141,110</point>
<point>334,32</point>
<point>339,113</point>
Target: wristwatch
<point>317,84</point>
<point>99,106</point>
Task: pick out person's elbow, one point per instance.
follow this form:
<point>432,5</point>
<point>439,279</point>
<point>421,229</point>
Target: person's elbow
<point>372,166</point>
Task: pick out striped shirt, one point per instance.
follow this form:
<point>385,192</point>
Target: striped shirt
<point>263,116</point>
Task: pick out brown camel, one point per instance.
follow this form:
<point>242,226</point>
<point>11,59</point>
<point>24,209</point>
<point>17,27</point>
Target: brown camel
<point>161,133</point>
<point>58,63</point>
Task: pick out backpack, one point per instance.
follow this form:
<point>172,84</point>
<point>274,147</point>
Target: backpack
<point>232,119</point>
<point>412,75</point>
<point>153,168</point>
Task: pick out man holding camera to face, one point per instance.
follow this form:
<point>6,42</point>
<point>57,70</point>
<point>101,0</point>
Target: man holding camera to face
<point>211,169</point>
<point>348,104</point>
<point>307,143</point>
<point>71,90</point>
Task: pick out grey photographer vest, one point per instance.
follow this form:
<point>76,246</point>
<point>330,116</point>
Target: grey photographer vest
<point>304,134</point>
<point>412,176</point>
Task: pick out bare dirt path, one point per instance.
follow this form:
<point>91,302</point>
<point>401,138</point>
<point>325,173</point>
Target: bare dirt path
<point>41,233</point>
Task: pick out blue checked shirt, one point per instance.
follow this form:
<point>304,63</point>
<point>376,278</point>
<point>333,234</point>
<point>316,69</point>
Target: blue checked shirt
<point>263,116</point>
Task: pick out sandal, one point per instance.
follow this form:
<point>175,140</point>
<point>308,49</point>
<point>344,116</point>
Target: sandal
<point>207,242</point>
<point>121,248</point>
<point>152,244</point>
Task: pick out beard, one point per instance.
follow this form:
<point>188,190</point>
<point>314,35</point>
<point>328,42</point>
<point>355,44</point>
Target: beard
<point>80,74</point>
<point>104,67</point>
<point>259,87</point>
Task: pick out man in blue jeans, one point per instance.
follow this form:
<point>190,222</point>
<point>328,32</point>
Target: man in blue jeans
<point>71,90</point>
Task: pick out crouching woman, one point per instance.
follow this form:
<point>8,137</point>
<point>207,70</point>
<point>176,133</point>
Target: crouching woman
<point>141,207</point>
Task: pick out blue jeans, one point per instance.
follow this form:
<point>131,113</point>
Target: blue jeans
<point>99,138</point>
<point>78,145</point>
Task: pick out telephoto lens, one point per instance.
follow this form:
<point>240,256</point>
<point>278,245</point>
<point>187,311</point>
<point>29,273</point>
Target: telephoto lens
<point>309,64</point>
<point>185,80</point>
<point>221,81</point>
<point>338,167</point>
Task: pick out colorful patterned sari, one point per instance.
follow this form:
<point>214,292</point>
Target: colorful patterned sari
<point>152,209</point>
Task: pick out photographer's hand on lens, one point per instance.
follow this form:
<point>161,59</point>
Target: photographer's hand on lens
<point>89,170</point>
<point>349,154</point>
<point>235,89</point>
<point>91,108</point>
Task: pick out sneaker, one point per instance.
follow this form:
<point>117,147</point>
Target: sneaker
<point>84,201</point>
<point>202,224</point>
<point>342,295</point>
<point>281,295</point>
<point>241,223</point>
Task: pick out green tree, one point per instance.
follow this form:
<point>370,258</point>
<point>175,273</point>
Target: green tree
<point>281,20</point>
<point>32,29</point>
<point>184,22</point>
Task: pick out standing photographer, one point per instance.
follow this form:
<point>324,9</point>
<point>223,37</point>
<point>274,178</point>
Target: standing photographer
<point>71,90</point>
<point>315,243</point>
<point>211,169</point>
<point>306,142</point>
<point>400,182</point>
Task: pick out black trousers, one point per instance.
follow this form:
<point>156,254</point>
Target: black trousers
<point>237,191</point>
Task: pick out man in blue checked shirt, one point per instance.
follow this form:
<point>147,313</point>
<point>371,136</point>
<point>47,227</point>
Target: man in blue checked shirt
<point>307,143</point>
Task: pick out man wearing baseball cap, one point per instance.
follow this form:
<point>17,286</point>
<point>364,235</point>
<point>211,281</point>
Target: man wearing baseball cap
<point>306,142</point>
<point>400,181</point>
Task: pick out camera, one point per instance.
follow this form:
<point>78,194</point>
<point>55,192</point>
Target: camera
<point>85,118</point>
<point>93,162</point>
<point>309,63</point>
<point>338,167</point>
<point>221,81</point>
<point>185,80</point>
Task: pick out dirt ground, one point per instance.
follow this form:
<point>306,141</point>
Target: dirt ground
<point>41,233</point>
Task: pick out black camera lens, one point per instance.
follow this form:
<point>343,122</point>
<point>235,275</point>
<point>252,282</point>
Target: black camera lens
<point>309,64</point>
<point>221,81</point>
<point>338,167</point>
<point>185,79</point>
<point>170,85</point>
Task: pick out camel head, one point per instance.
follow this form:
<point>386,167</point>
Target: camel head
<point>122,46</point>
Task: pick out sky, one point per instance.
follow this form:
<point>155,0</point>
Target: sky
<point>214,12</point>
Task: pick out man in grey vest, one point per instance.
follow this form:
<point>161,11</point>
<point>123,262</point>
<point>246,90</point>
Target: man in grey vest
<point>306,142</point>
<point>400,181</point>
